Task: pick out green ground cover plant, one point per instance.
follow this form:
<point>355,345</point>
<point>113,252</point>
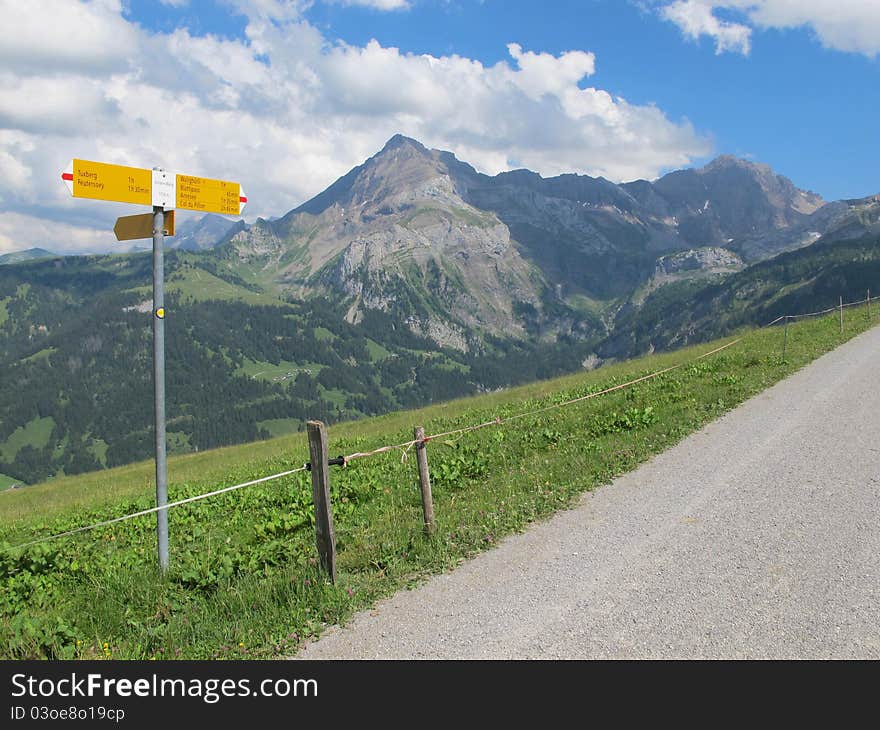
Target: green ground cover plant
<point>244,580</point>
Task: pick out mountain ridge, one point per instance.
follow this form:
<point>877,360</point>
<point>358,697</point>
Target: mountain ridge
<point>416,230</point>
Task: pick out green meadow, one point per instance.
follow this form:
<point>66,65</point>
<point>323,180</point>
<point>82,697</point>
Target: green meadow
<point>244,580</point>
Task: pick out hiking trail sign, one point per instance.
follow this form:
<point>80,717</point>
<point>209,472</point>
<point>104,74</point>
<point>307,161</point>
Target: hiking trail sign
<point>164,191</point>
<point>156,187</point>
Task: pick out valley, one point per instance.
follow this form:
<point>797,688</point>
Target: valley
<point>411,280</point>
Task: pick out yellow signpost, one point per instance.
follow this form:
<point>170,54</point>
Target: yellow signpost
<point>101,181</point>
<point>163,191</point>
<point>209,196</point>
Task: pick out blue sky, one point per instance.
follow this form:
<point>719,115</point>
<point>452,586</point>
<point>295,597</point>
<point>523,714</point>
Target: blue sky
<point>288,95</point>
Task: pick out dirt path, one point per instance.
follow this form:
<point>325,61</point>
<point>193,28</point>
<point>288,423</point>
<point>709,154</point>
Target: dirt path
<point>758,536</point>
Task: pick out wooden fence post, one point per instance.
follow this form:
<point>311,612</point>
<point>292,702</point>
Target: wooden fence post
<point>424,480</point>
<point>784,338</point>
<point>841,315</point>
<point>868,302</point>
<point>325,537</point>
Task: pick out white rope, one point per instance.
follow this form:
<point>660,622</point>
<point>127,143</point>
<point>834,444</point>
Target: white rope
<point>155,509</point>
<point>405,447</point>
<point>824,311</point>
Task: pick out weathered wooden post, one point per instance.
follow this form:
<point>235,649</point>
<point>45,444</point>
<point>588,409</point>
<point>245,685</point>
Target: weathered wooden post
<point>424,480</point>
<point>325,537</point>
<point>784,338</point>
<point>841,315</point>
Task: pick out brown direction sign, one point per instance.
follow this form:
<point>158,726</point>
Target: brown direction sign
<point>131,227</point>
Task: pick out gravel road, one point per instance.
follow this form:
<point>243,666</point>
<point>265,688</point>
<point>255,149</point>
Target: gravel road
<point>756,537</point>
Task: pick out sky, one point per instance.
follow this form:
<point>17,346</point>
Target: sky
<point>285,96</point>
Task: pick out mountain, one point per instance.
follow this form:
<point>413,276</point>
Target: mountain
<point>27,255</point>
<point>423,236</point>
<point>201,234</point>
<point>75,353</point>
<point>413,278</point>
<point>809,279</point>
<point>395,235</point>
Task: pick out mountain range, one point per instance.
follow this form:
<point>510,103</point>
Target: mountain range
<point>425,237</point>
<point>29,254</point>
<point>412,278</point>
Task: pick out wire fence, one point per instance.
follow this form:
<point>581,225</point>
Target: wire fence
<point>843,305</point>
<point>406,446</point>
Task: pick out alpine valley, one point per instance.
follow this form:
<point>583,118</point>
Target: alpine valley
<point>413,278</point>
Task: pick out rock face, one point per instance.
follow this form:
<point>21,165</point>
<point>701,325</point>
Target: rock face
<point>709,259</point>
<point>395,235</point>
<point>423,236</point>
<point>728,199</point>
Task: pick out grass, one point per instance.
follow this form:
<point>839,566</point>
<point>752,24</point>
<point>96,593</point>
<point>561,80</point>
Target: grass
<point>377,352</point>
<point>35,432</point>
<point>4,313</point>
<point>583,303</point>
<point>283,371</point>
<point>7,481</point>
<point>199,285</point>
<point>98,448</point>
<point>43,354</point>
<point>177,442</point>
<point>243,580</point>
<point>281,426</point>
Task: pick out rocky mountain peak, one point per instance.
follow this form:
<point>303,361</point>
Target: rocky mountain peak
<point>400,141</point>
<point>781,191</point>
<point>726,162</point>
<point>403,167</point>
<point>403,171</point>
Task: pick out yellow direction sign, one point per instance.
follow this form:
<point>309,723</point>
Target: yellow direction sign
<point>131,227</point>
<point>101,181</point>
<point>210,196</point>
<point>156,187</point>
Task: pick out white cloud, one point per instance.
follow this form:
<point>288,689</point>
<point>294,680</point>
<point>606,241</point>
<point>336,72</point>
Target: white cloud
<point>287,111</point>
<point>377,4</point>
<point>542,73</point>
<point>65,36</point>
<point>54,104</point>
<point>263,10</point>
<point>842,25</point>
<point>18,232</point>
<point>697,18</point>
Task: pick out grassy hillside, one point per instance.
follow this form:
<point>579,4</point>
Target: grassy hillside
<point>75,347</point>
<point>75,352</point>
<point>36,433</point>
<point>243,580</point>
<point>7,481</point>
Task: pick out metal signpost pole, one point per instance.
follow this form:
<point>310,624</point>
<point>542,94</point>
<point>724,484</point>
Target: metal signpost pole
<point>161,190</point>
<point>159,382</point>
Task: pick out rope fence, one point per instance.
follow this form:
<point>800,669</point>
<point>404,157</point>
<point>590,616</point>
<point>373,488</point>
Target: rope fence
<point>419,443</point>
<point>844,305</point>
<point>153,510</point>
